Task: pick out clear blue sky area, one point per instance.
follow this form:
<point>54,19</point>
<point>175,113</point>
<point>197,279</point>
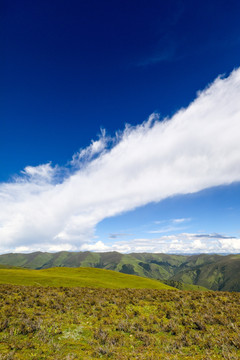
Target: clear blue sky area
<point>71,68</point>
<point>206,212</point>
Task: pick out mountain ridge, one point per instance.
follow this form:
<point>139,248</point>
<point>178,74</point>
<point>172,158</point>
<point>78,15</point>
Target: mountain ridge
<point>213,271</point>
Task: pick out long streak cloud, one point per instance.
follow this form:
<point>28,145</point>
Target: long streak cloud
<point>51,208</point>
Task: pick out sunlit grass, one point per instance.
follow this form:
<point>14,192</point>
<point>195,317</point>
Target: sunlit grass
<point>74,277</point>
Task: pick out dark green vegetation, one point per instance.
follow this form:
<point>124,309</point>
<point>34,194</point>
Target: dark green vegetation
<point>214,272</point>
<point>82,277</point>
<point>84,323</point>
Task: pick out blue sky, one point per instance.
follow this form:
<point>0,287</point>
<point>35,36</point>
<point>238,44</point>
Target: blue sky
<point>73,175</point>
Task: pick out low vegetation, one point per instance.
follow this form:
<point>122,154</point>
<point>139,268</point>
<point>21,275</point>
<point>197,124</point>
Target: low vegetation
<point>63,323</point>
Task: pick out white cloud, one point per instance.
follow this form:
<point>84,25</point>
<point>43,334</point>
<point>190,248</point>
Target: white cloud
<point>99,246</point>
<point>173,226</point>
<point>183,243</point>
<point>93,150</point>
<point>166,229</point>
<point>40,173</point>
<point>197,148</point>
<point>179,221</point>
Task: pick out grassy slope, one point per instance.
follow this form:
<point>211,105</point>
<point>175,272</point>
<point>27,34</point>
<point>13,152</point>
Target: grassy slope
<point>215,272</point>
<point>191,287</point>
<point>184,286</point>
<point>82,277</point>
<point>219,275</point>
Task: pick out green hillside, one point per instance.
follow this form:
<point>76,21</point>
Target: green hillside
<point>220,275</point>
<point>77,277</point>
<point>215,272</point>
<point>184,286</point>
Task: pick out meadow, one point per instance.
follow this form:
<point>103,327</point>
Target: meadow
<point>66,323</point>
<point>80,277</point>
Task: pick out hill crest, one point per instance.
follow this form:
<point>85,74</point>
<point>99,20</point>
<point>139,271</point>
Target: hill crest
<point>213,271</point>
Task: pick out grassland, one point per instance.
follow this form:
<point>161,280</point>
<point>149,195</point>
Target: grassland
<point>215,272</point>
<point>59,323</point>
<point>77,277</point>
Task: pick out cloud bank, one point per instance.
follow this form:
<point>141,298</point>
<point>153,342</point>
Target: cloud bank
<point>183,243</point>
<point>52,208</point>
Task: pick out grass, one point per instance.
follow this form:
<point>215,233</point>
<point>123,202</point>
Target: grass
<point>77,277</point>
<point>212,271</point>
<point>61,323</point>
<point>184,286</point>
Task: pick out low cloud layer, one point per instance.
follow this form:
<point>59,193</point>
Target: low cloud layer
<point>183,243</point>
<point>52,208</point>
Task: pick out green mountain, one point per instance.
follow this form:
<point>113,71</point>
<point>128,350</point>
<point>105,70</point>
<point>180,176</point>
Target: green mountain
<point>221,274</point>
<point>215,272</point>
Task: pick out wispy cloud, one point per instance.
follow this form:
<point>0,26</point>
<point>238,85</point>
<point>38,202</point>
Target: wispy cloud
<point>166,48</point>
<point>171,225</point>
<point>167,229</point>
<point>180,221</point>
<point>49,207</point>
<point>93,151</point>
<point>165,54</point>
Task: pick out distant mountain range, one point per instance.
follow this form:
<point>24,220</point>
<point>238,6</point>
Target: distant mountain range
<point>215,272</point>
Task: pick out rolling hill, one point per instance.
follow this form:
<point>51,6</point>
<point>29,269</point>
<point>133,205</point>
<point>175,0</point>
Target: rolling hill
<point>77,277</point>
<point>215,272</point>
